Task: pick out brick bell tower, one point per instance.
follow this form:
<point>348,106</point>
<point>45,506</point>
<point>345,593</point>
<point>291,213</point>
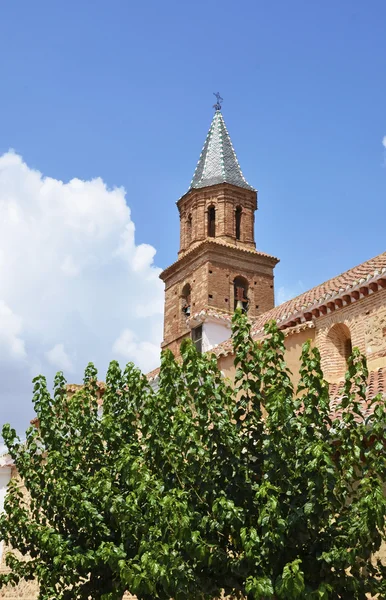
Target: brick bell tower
<point>218,266</point>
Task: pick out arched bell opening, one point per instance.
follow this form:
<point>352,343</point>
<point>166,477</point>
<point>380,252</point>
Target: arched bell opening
<point>238,214</point>
<point>240,288</point>
<point>188,229</point>
<point>186,299</point>
<point>211,221</point>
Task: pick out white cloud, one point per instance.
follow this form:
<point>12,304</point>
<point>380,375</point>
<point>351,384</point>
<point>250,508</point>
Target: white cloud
<point>72,282</point>
<point>143,256</point>
<point>384,141</point>
<point>59,358</point>
<point>130,348</point>
<point>69,267</point>
<point>11,344</point>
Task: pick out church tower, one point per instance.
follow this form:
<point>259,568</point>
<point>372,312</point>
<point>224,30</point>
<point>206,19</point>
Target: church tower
<point>218,266</point>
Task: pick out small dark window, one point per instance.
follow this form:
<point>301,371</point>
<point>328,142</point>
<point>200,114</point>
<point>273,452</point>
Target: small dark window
<point>238,222</point>
<point>189,229</point>
<point>240,288</point>
<point>212,221</point>
<point>197,338</point>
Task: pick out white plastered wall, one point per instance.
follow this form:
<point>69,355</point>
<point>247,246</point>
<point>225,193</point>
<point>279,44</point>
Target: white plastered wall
<point>213,334</point>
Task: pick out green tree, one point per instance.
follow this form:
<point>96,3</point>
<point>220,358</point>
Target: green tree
<point>202,487</point>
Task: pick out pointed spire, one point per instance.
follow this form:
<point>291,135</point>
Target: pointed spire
<point>218,162</point>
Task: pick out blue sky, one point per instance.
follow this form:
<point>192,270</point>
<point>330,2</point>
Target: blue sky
<point>122,91</point>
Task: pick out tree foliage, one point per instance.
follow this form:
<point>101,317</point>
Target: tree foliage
<point>202,487</point>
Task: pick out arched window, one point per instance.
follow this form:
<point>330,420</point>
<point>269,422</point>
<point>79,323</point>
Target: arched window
<point>186,299</point>
<point>338,350</point>
<point>238,222</point>
<point>211,221</point>
<point>240,286</point>
<point>189,230</point>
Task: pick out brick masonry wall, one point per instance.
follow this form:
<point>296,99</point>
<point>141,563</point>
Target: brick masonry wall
<point>211,277</point>
<point>221,288</point>
<point>211,274</point>
<point>224,198</point>
<point>174,319</point>
<point>366,322</point>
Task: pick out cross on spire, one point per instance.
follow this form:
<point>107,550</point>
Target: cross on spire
<point>217,106</point>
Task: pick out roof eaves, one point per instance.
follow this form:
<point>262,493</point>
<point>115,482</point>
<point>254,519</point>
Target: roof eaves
<point>328,296</point>
<point>283,320</point>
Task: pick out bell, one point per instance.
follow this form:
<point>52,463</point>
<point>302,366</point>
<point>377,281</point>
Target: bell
<point>187,311</point>
<point>239,304</point>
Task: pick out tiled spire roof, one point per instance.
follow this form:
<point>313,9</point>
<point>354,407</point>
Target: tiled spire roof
<point>218,162</point>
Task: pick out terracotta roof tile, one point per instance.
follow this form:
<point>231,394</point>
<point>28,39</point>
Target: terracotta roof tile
<point>248,250</point>
<point>223,349</point>
<point>153,374</point>
<point>341,283</point>
<point>376,384</point>
<point>209,313</point>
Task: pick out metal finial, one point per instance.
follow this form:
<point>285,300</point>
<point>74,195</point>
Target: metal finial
<point>217,106</point>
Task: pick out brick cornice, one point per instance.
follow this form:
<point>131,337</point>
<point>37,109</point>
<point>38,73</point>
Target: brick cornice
<point>220,251</point>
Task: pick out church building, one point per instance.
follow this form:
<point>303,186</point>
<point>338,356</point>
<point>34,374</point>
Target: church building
<point>219,268</point>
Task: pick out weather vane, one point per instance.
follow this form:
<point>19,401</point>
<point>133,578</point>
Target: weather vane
<point>217,106</point>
